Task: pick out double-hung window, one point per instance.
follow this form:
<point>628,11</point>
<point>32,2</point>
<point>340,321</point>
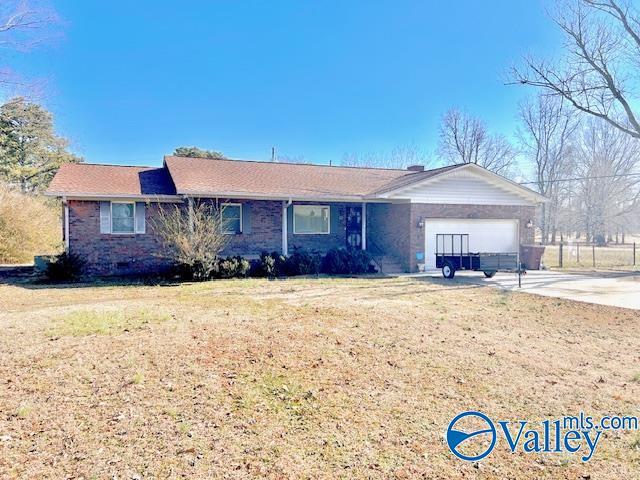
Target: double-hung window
<point>123,217</point>
<point>311,219</point>
<point>231,214</point>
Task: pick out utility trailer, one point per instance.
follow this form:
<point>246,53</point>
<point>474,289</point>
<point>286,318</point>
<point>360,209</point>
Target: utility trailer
<point>452,253</point>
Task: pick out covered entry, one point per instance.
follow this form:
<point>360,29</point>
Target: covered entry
<point>494,236</point>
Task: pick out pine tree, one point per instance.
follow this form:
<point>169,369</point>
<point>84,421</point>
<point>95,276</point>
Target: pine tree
<point>30,150</point>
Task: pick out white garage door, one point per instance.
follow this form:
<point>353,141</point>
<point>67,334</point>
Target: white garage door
<point>496,236</point>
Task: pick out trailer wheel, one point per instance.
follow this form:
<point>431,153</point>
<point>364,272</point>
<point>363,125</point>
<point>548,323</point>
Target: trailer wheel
<point>448,270</point>
<point>489,274</point>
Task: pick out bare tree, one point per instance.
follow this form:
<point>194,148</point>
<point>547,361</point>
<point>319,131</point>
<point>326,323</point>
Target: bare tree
<point>465,139</point>
<point>284,158</point>
<point>192,236</point>
<point>548,128</point>
<point>23,25</point>
<point>607,166</point>
<point>399,157</point>
<point>597,71</point>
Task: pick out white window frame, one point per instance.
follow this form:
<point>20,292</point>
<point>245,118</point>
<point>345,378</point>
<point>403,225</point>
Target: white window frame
<point>133,232</point>
<point>328,232</point>
<point>221,219</point>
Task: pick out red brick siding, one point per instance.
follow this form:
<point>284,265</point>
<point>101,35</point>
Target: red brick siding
<point>266,229</point>
<point>388,230</point>
<point>107,254</point>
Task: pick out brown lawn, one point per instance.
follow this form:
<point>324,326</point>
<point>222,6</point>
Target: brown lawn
<point>304,378</point>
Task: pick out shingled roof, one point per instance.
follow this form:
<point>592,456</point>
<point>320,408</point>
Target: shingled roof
<point>201,176</point>
<point>85,179</point>
<point>240,178</point>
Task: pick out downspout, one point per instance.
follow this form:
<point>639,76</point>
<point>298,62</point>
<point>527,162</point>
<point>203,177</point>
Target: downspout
<point>65,203</point>
<point>285,234</point>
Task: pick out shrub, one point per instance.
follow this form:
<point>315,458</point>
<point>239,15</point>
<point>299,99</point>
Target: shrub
<point>269,265</point>
<point>233,267</point>
<point>303,263</point>
<point>64,267</point>
<point>342,261</point>
<point>200,269</point>
<point>29,226</point>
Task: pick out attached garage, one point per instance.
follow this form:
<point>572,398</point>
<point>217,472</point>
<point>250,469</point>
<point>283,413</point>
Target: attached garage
<point>496,213</point>
<point>485,235</point>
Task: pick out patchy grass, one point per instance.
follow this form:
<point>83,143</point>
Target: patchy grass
<point>23,411</point>
<point>303,378</point>
<point>103,322</point>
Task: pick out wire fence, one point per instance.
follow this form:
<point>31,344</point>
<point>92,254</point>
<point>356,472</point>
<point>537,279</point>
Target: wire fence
<point>586,255</point>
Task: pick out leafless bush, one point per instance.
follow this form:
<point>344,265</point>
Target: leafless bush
<point>29,225</point>
<point>192,236</point>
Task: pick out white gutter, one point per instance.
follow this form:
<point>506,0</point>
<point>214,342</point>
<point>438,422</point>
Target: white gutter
<point>101,196</point>
<point>285,197</point>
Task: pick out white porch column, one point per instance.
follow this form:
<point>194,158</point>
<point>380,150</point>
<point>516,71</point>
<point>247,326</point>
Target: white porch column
<point>190,212</point>
<point>285,240</point>
<point>364,226</point>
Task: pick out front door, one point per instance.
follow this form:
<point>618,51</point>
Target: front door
<point>354,227</point>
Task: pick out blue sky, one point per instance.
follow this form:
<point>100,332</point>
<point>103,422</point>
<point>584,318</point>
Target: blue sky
<point>131,80</point>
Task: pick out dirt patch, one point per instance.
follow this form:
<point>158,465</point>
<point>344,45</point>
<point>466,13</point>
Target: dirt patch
<point>304,378</point>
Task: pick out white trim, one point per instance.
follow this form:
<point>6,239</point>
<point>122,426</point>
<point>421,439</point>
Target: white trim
<point>328,232</point>
<point>363,219</point>
<point>115,197</point>
<point>285,197</point>
<point>229,204</point>
<point>111,218</point>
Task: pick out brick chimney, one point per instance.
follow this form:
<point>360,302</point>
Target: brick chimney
<point>416,168</point>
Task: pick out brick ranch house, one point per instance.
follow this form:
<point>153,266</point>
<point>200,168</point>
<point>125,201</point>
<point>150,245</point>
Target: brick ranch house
<point>270,206</point>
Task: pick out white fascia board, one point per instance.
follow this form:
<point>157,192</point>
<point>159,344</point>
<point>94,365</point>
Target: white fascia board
<point>99,197</point>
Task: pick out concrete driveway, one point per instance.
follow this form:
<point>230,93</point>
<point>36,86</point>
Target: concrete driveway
<point>615,289</point>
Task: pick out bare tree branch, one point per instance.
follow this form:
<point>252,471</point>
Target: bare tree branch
<point>602,48</point>
<point>399,157</point>
<point>464,139</point>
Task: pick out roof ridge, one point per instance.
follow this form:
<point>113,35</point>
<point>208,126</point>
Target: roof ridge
<point>268,162</point>
<point>111,165</point>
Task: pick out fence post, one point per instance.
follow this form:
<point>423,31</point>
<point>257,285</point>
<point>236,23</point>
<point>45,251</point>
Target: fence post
<point>560,255</point>
<point>593,250</point>
<point>578,253</point>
